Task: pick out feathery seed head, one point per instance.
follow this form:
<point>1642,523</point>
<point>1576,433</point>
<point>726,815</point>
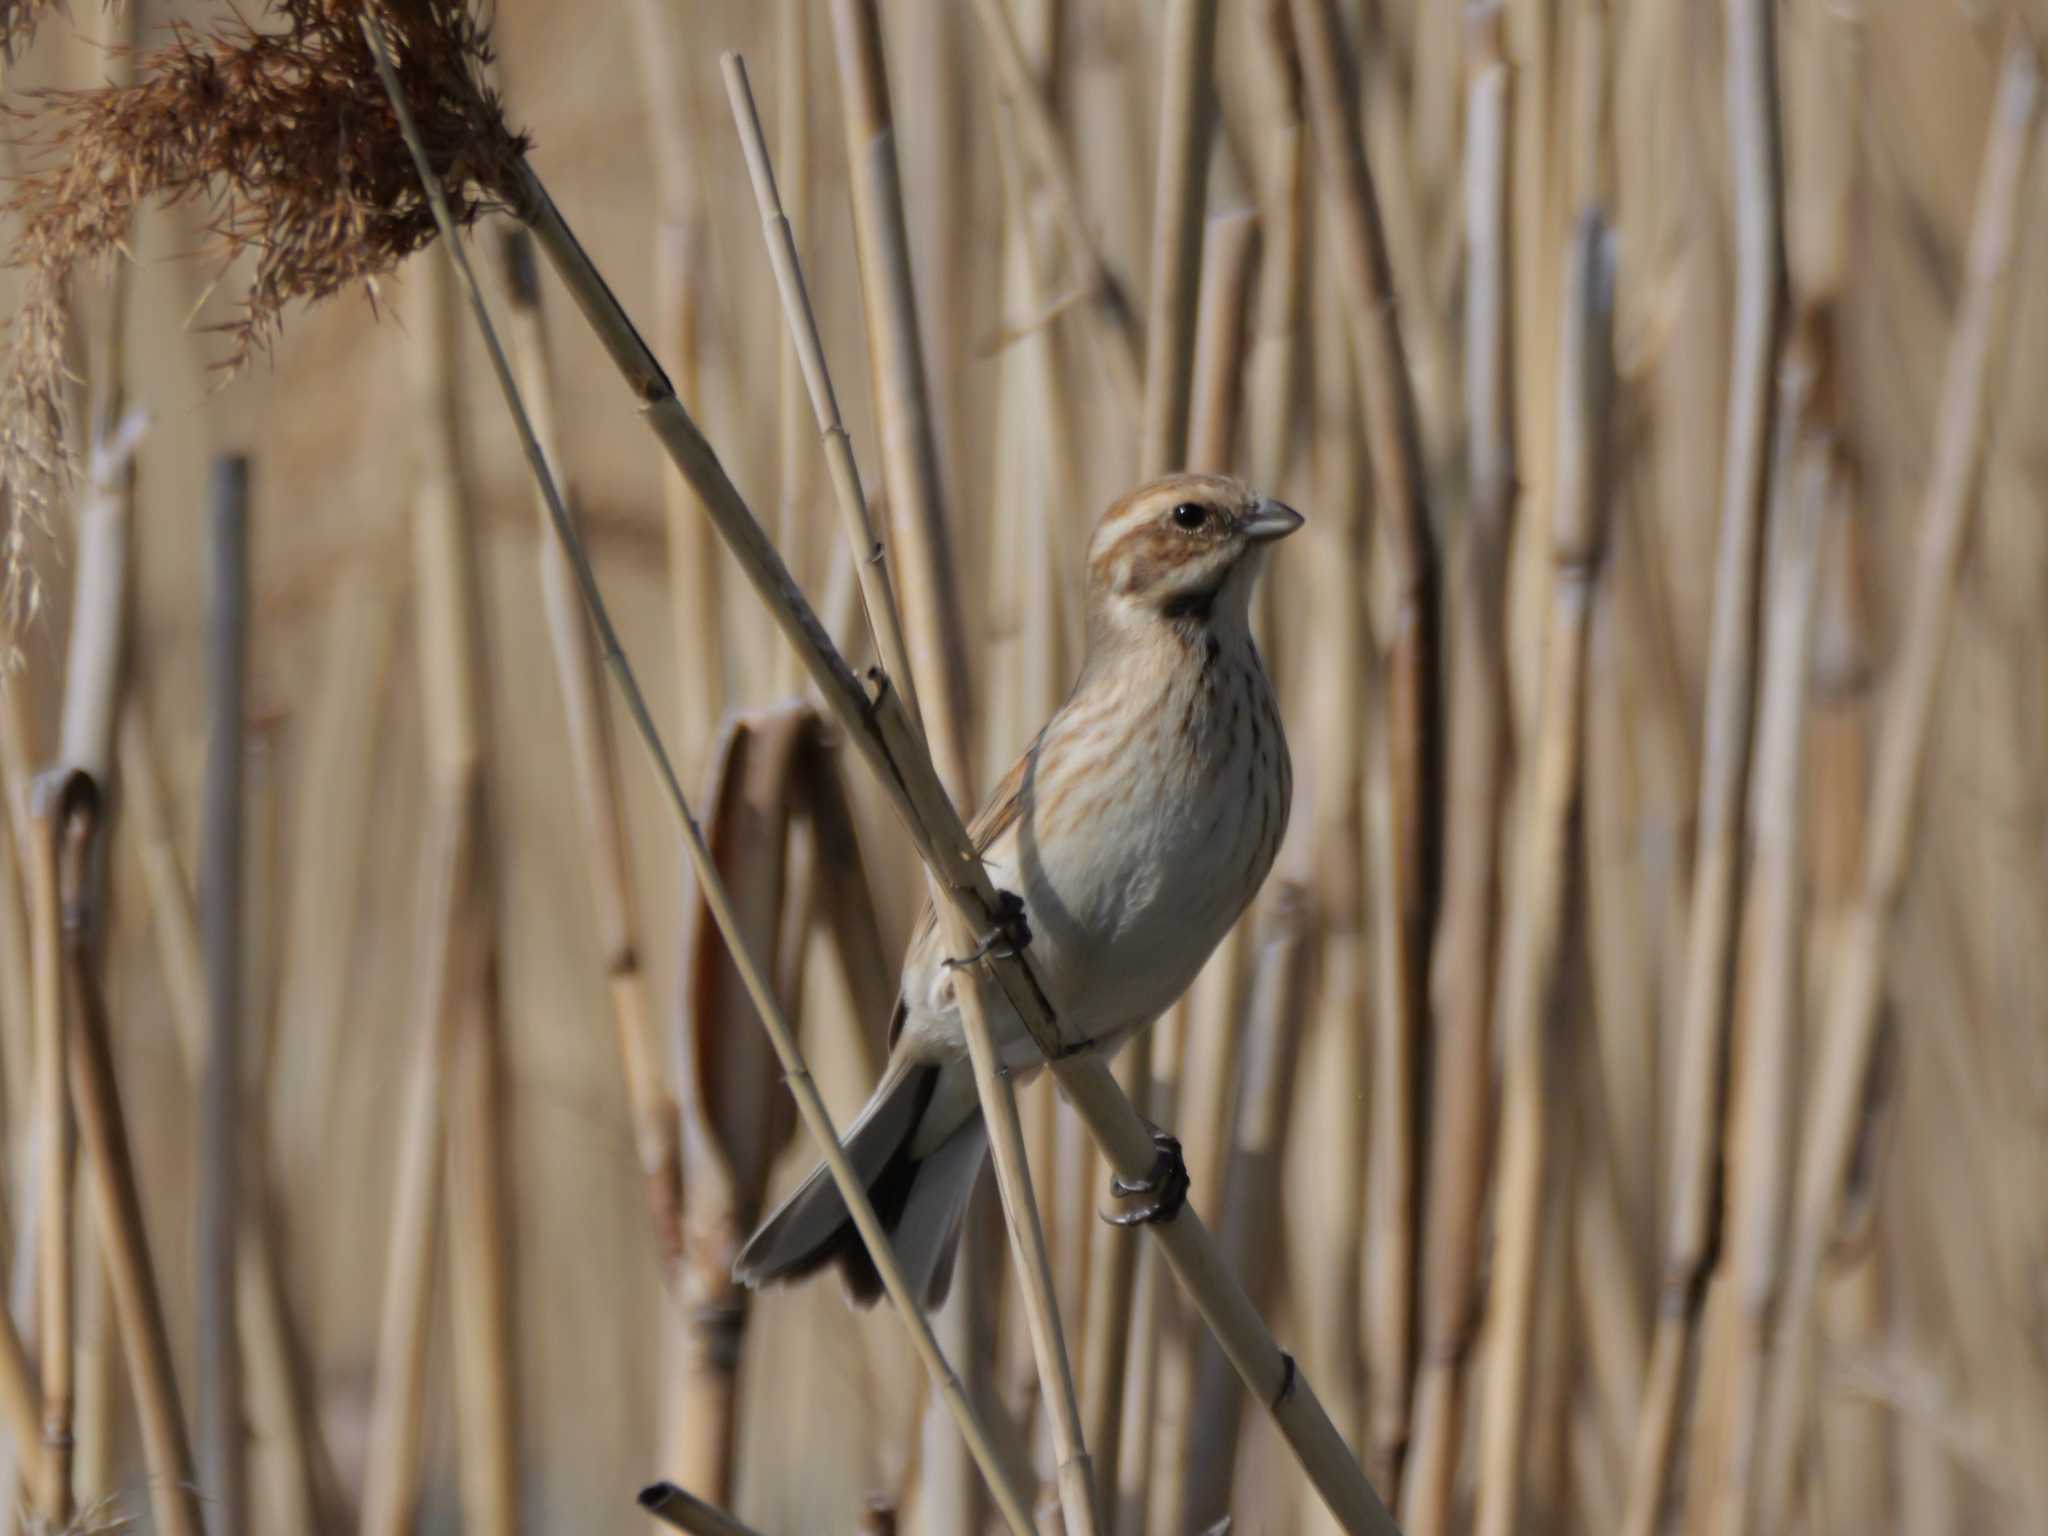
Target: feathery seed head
<point>1185,548</point>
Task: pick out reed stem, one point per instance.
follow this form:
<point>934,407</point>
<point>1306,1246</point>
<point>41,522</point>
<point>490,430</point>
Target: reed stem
<point>222,1414</point>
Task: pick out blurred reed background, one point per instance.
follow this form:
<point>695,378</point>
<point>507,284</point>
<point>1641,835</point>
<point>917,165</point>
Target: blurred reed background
<point>1628,1097</point>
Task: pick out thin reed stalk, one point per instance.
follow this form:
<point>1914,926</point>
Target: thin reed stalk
<point>602,310</point>
<point>117,1201</point>
<point>393,1460</point>
<point>1764,1093</point>
<point>1113,327</point>
<point>55,1137</point>
<point>933,628</point>
<point>882,733</point>
<point>1753,116</point>
<point>221,1218</point>
<point>998,1096</point>
<point>1461,975</point>
<point>1856,979</point>
<point>450,1083</point>
<point>455,690</point>
<point>1394,442</point>
<point>1531,1020</point>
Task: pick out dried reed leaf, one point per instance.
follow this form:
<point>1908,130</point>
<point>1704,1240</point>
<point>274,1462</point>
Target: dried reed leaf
<point>282,130</point>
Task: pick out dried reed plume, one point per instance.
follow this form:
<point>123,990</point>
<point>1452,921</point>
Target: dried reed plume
<point>285,135</point>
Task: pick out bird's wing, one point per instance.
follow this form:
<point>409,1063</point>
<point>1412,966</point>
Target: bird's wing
<point>998,814</point>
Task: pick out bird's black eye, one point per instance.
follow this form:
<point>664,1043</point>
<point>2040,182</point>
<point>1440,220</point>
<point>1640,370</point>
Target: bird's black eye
<point>1190,515</point>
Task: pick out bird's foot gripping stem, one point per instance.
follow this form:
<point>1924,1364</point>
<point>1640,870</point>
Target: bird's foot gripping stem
<point>1165,1188</point>
<point>1010,937</point>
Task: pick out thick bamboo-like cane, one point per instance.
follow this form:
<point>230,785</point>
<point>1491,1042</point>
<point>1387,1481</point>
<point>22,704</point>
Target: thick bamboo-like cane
<point>882,733</point>
<point>1855,983</point>
<point>1461,976</point>
<point>1761,1115</point>
<point>1394,439</point>
<point>221,1410</point>
<point>1753,129</point>
<point>117,1203</point>
<point>1532,950</point>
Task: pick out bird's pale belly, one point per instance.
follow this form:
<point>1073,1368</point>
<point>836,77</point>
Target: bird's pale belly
<point>1121,926</point>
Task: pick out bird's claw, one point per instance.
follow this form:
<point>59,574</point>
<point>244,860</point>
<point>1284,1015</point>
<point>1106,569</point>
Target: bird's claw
<point>1166,1185</point>
<point>1010,937</point>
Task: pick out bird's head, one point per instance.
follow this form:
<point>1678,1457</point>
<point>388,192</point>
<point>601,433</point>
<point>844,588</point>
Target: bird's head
<point>1183,550</point>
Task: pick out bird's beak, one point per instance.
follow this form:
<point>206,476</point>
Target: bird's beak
<point>1271,521</point>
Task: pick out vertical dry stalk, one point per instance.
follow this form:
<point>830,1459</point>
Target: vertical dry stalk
<point>933,627</point>
<point>1761,1119</point>
<point>392,1471</point>
<point>21,1404</point>
<point>1230,261</point>
<point>452,1090</point>
<point>329,840</point>
<point>54,1155</point>
<point>1394,441</point>
<point>226,1478</point>
<point>1855,984</point>
<point>1250,1198</point>
<point>1114,327</point>
<point>1754,151</point>
<point>695,577</point>
<point>117,1203</point>
<point>455,689</point>
<point>595,759</point>
<point>1187,120</point>
<point>1461,976</point>
<point>1532,953</point>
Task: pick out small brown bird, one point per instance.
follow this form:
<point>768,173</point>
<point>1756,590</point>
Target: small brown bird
<point>1135,829</point>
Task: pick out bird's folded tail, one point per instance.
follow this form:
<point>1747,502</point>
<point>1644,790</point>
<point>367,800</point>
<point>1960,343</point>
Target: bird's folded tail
<point>922,1201</point>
